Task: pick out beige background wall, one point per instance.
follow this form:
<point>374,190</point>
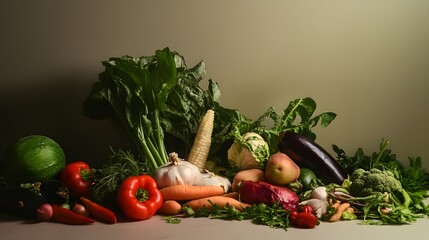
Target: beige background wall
<point>365,60</point>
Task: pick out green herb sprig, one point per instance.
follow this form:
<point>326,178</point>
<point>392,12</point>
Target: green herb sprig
<point>274,216</point>
<point>109,177</point>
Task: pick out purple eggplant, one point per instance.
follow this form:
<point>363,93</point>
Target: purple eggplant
<point>263,192</point>
<point>308,154</point>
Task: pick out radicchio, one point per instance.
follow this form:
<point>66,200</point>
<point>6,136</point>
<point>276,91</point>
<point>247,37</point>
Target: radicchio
<point>263,192</point>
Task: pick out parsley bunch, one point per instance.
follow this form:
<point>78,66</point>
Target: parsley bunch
<point>274,216</point>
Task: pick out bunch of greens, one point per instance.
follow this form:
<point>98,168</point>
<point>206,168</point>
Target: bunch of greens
<point>298,116</point>
<point>274,216</point>
<point>414,178</point>
<point>401,206</point>
<point>121,165</point>
<point>388,208</point>
<point>156,99</point>
<point>158,102</point>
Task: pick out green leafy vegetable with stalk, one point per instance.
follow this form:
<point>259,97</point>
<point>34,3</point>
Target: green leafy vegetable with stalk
<point>137,95</point>
<point>156,99</point>
<point>158,102</point>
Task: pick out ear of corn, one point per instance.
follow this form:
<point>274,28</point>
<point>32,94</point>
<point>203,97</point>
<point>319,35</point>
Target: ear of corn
<point>201,147</point>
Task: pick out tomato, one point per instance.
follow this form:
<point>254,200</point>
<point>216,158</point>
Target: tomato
<point>78,178</point>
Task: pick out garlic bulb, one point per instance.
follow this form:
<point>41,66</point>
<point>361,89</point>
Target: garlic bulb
<point>177,172</point>
<point>211,179</point>
<point>318,201</point>
<point>319,193</point>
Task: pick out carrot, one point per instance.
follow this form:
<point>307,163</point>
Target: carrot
<point>67,216</point>
<point>99,212</point>
<point>220,201</point>
<point>188,192</point>
<point>201,147</point>
<point>350,210</point>
<point>335,204</point>
<point>170,207</point>
<point>234,195</point>
<point>384,210</point>
<point>253,174</point>
<point>339,211</point>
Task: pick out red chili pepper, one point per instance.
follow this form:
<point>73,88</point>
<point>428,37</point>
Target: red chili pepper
<point>99,212</point>
<point>303,219</point>
<point>139,197</point>
<point>77,177</point>
<point>67,216</point>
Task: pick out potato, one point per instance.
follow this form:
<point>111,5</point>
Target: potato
<point>253,174</point>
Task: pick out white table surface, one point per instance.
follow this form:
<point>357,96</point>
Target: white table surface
<point>207,229</point>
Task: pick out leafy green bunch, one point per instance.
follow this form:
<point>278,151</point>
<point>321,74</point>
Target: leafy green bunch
<point>156,100</point>
<point>298,116</point>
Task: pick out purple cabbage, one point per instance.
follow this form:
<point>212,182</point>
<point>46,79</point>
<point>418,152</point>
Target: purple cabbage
<point>263,192</point>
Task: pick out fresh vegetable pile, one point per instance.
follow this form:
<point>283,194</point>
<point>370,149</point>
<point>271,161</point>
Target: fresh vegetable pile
<point>191,157</point>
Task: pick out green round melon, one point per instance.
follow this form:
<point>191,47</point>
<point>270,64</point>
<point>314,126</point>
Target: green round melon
<point>31,159</point>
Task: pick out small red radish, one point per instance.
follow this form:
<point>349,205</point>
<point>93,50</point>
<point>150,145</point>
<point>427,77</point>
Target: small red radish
<point>45,212</point>
<point>80,209</point>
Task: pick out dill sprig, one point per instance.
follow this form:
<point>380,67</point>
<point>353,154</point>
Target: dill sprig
<point>109,177</point>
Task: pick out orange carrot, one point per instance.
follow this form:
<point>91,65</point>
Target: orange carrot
<point>339,212</point>
<point>231,195</point>
<point>170,207</point>
<point>336,205</point>
<point>220,201</point>
<point>188,192</point>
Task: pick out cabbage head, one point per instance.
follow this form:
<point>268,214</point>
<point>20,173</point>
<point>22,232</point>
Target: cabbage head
<point>248,151</point>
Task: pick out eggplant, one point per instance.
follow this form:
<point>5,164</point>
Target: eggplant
<point>55,192</point>
<point>306,153</point>
<point>20,201</point>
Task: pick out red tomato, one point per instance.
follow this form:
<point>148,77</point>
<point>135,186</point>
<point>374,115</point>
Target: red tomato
<point>78,178</point>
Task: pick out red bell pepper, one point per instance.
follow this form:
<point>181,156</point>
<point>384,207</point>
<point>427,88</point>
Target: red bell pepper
<point>78,178</point>
<point>139,197</point>
<point>303,218</point>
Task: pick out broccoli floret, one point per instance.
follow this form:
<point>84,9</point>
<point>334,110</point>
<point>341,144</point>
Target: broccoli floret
<point>374,181</point>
